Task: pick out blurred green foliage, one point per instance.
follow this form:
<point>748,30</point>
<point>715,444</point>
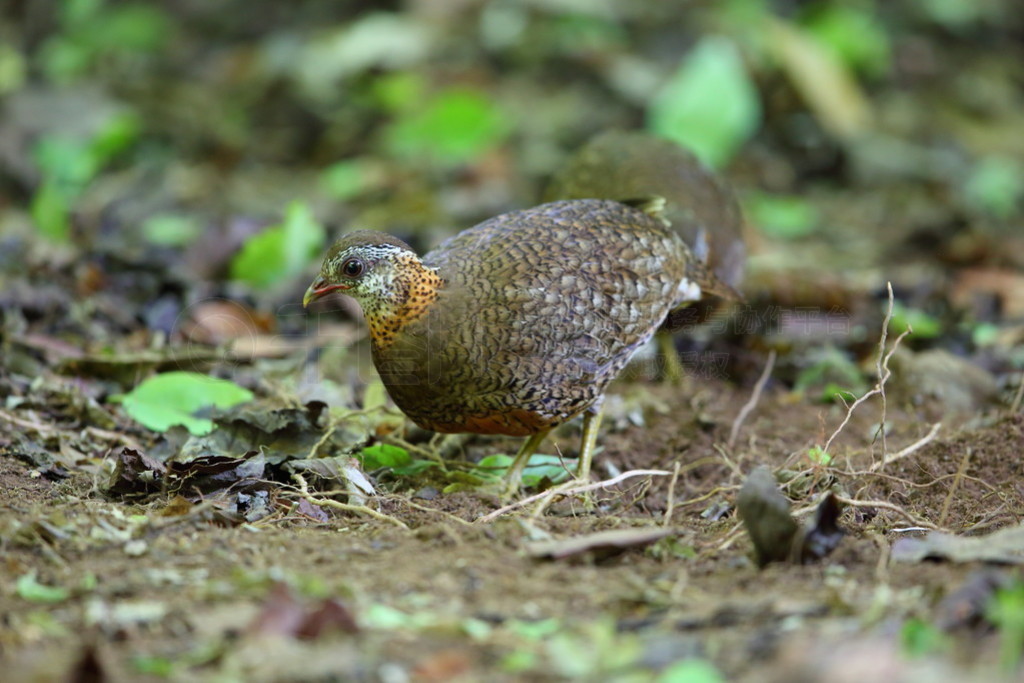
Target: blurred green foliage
<point>28,588</point>
<point>710,105</point>
<point>819,456</point>
<point>93,29</point>
<point>782,216</point>
<point>919,638</point>
<point>67,165</point>
<point>154,665</point>
<point>350,178</point>
<point>171,230</point>
<point>282,251</point>
<point>921,325</point>
<point>853,33</point>
<point>1006,611</point>
<point>996,186</point>
<point>12,69</point>
<point>831,373</point>
<point>454,126</point>
<point>691,671</point>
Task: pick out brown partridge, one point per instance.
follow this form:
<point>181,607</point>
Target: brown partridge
<point>518,324</point>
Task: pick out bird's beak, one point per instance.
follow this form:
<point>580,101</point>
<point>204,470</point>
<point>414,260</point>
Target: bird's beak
<point>309,295</point>
<point>318,289</point>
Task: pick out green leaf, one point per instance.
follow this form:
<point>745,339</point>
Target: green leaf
<point>280,252</point>
<point>854,34</point>
<point>985,334</point>
<point>919,638</point>
<point>535,630</point>
<point>50,212</point>
<point>384,455</point>
<point>398,91</point>
<point>63,60</point>
<point>539,468</point>
<point>710,105</point>
<point>75,12</point>
<point>153,665</point>
<point>957,14</point>
<point>350,178</point>
<point>132,28</point>
<point>12,69</point>
<point>819,456</point>
<point>690,671</point>
<point>170,230</point>
<point>172,398</point>
<point>1005,610</point>
<point>67,162</point>
<point>834,371</point>
<point>457,126</point>
<point>996,186</point>
<point>29,589</point>
<point>832,391</point>
<point>396,458</point>
<point>921,324</point>
<point>782,216</point>
<point>118,133</point>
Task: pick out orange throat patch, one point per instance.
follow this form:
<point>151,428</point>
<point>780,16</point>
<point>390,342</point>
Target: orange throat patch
<point>409,299</point>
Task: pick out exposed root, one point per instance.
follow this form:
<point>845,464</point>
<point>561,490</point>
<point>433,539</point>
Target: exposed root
<point>337,505</point>
<point>884,374</point>
<point>917,445</point>
<point>1019,398</point>
<point>884,505</point>
<point>956,482</point>
<point>754,398</point>
<point>671,495</point>
<point>423,508</point>
<point>569,489</point>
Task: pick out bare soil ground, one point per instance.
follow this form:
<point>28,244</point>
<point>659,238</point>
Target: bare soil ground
<point>154,591</point>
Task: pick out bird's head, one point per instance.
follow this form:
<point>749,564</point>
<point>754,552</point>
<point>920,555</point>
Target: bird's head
<point>366,265</point>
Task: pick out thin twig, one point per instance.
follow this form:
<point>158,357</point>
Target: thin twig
<point>884,505</point>
<point>37,426</point>
<point>671,494</point>
<point>879,363</point>
<point>710,494</point>
<point>358,509</point>
<point>424,508</point>
<point>1019,398</point>
<point>559,491</point>
<point>879,388</point>
<point>956,482</point>
<point>882,566</point>
<point>917,445</point>
<point>727,460</point>
<point>328,433</point>
<point>914,485</point>
<point>117,437</point>
<point>752,401</point>
<point>95,432</point>
<point>730,537</point>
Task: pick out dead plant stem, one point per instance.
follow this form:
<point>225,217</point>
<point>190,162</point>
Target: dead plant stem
<point>751,403</point>
<point>570,491</point>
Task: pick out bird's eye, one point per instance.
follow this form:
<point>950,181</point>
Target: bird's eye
<point>352,267</point>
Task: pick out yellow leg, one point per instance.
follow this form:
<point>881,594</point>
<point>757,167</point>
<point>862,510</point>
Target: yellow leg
<point>514,476</point>
<point>591,423</point>
<point>669,358</point>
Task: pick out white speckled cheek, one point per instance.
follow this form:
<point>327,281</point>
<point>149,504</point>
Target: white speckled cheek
<point>376,283</point>
<point>689,290</point>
